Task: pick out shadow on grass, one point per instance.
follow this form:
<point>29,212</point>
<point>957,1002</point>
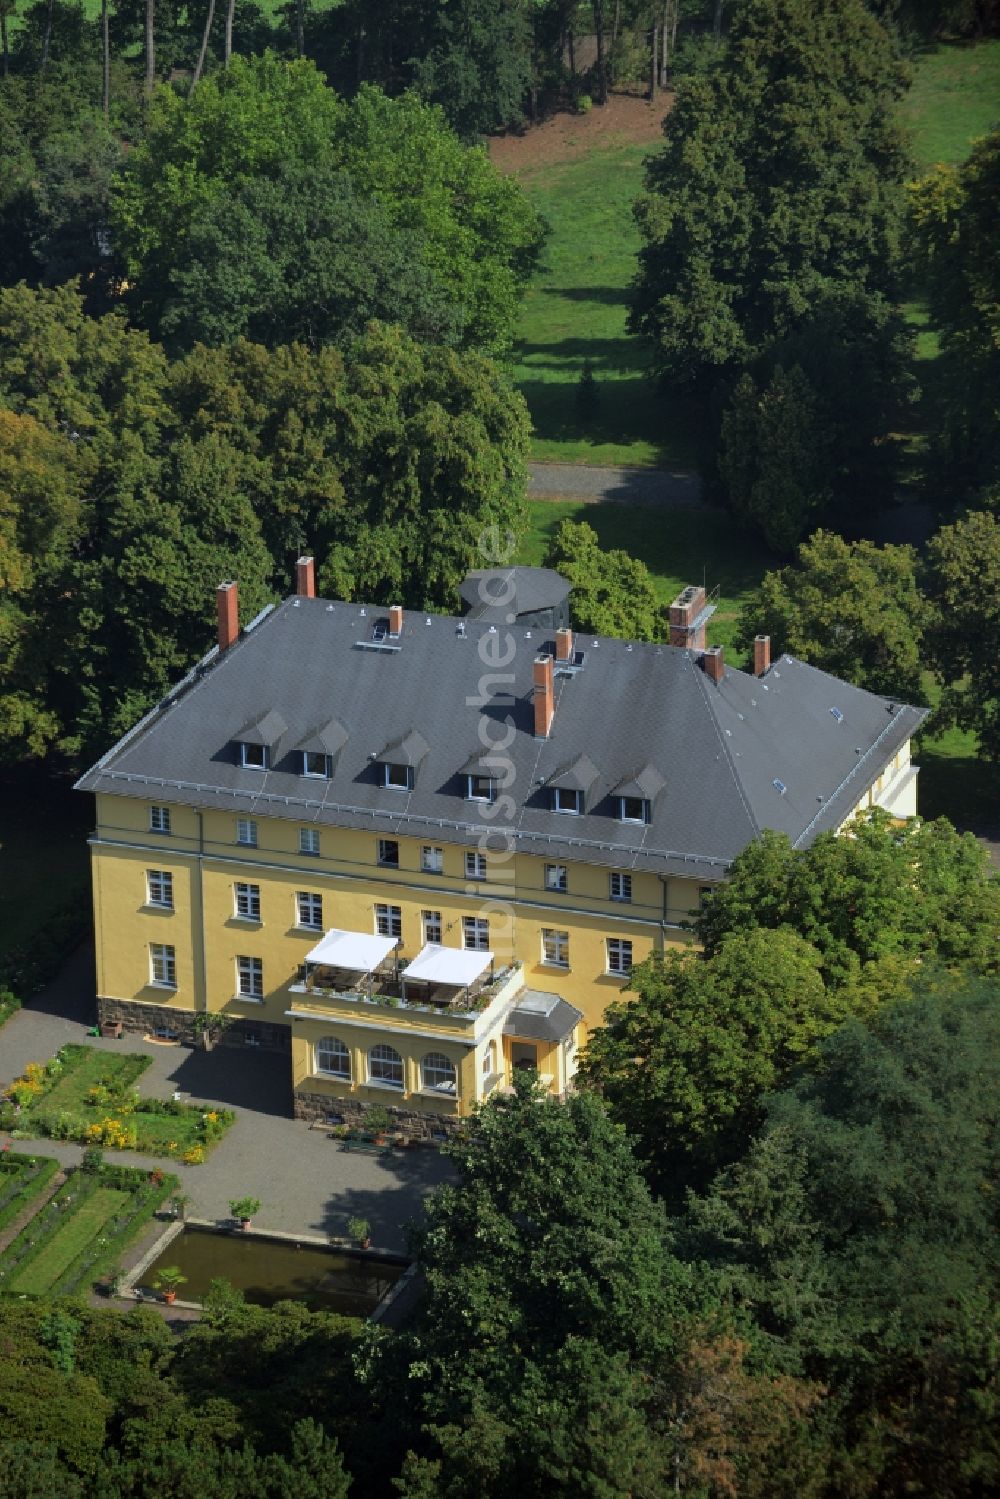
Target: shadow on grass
<point>627,410</point>
<point>568,355</point>
<point>607,296</point>
<point>962,788</point>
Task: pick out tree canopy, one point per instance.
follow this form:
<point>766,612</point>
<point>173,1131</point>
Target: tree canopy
<point>613,593</point>
<point>778,183</point>
<point>853,609</point>
<point>963,585</point>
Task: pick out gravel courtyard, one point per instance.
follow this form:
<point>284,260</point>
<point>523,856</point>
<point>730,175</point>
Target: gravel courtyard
<point>305,1181</point>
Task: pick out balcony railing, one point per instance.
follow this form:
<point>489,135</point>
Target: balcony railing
<point>385,990</point>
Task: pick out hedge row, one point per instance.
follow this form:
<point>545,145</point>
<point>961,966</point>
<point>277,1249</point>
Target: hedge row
<point>21,1178</point>
<point>28,968</point>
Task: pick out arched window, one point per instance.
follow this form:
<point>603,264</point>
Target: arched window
<point>333,1057</point>
<point>438,1073</point>
<point>385,1066</point>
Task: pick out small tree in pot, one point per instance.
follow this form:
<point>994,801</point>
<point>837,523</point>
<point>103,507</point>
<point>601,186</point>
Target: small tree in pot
<point>209,1028</point>
<point>377,1122</point>
<point>168,1281</point>
<point>243,1209</point>
<point>360,1229</point>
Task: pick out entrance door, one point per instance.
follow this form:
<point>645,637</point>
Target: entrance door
<point>523,1055</point>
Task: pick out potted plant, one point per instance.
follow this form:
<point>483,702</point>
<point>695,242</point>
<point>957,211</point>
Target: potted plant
<point>111,1030</point>
<point>179,1205</point>
<point>168,1281</point>
<point>377,1122</point>
<point>360,1229</point>
<point>243,1209</point>
<point>209,1028</point>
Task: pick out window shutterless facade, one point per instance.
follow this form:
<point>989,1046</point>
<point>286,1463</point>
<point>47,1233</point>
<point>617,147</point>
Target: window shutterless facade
<point>555,948</point>
<point>632,809</point>
<point>250,978</point>
<point>253,756</point>
<point>564,800</point>
<point>398,777</point>
<point>160,888</point>
<point>389,921</point>
<point>159,819</point>
<point>247,901</point>
<point>308,840</point>
<point>316,764</point>
<point>432,859</point>
<point>437,1073</point>
<point>385,1066</point>
<point>388,852</point>
<point>475,866</point>
<point>556,878</point>
<point>163,965</point>
<point>476,933</point>
<point>246,832</point>
<point>620,886</point>
<point>309,910</point>
<point>480,788</point>
<point>619,956</point>
<point>333,1058</point>
<point>433,930</point>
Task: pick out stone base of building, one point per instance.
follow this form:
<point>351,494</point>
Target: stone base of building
<point>137,1019</point>
<point>320,1108</point>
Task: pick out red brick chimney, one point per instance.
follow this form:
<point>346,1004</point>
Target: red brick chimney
<point>683,611</point>
<point>395,619</point>
<point>761,654</point>
<point>305,578</point>
<point>713,663</point>
<point>544,696</point>
<point>227,602</point>
<point>564,645</point>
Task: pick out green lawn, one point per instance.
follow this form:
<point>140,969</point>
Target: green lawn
<point>955,97</point>
<point>22,1179</point>
<point>575,310</point>
<point>43,853</point>
<point>68,1241</point>
<point>678,545</point>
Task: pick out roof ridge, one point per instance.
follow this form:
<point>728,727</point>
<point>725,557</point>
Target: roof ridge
<point>730,758</point>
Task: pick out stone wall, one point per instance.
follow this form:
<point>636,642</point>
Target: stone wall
<point>143,1019</point>
<point>318,1107</point>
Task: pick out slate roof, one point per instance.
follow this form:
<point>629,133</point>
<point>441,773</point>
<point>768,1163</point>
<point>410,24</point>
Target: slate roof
<point>720,749</point>
<point>538,1016</point>
<point>524,590</point>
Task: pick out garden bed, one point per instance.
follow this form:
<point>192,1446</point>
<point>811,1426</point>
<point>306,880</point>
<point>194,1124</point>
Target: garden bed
<point>22,1178</point>
<point>90,1096</point>
<point>82,1230</point>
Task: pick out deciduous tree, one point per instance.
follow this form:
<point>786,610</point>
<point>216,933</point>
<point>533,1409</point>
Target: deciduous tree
<point>963,583</point>
<point>613,593</point>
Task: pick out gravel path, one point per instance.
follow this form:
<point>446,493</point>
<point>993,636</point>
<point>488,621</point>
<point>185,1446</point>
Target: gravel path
<point>306,1183</point>
<point>621,486</point>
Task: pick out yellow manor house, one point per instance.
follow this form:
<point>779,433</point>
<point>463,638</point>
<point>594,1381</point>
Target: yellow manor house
<point>412,852</point>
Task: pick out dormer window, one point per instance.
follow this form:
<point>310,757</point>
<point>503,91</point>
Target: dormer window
<point>253,756</point>
<point>398,777</point>
<point>564,799</point>
<point>259,741</point>
<point>314,763</point>
<point>480,788</point>
<point>633,809</point>
<point>397,766</point>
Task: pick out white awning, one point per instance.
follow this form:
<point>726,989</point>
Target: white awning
<point>435,964</point>
<point>354,950</point>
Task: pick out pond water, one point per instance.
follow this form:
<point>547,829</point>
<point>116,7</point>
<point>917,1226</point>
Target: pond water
<point>270,1270</point>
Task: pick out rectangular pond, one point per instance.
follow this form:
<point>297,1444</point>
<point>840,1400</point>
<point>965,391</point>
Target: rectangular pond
<point>268,1270</point>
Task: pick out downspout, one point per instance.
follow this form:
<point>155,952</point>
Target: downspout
<point>201,996</point>
<point>663,914</point>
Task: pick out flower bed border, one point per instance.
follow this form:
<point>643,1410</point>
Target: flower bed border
<point>24,1187</point>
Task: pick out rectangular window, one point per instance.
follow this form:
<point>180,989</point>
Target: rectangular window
<point>160,888</point>
<point>480,788</point>
<point>250,978</point>
<point>247,901</point>
<point>432,859</point>
<point>308,840</point>
<point>555,877</point>
<point>253,756</point>
<point>398,777</point>
<point>565,801</point>
<point>159,819</point>
<point>633,809</point>
<point>621,887</point>
<point>619,957</point>
<point>555,948</point>
<point>433,930</point>
<point>388,852</point>
<point>389,921</point>
<point>315,763</point>
<point>246,832</point>
<point>309,909</point>
<point>476,933</point>
<point>475,866</point>
<point>162,965</point>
